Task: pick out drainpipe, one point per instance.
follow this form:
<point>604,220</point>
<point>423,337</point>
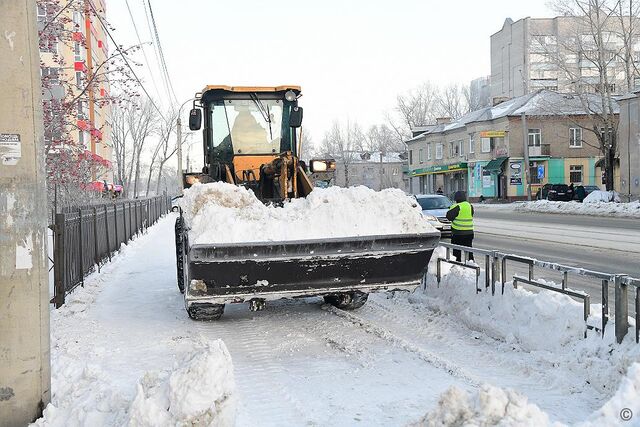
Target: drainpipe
<point>525,141</point>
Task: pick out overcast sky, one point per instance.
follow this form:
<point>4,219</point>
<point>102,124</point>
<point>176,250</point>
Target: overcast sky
<point>352,58</point>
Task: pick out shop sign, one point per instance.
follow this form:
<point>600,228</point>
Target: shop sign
<point>516,173</point>
<point>493,134</point>
<point>487,182</point>
<point>540,171</point>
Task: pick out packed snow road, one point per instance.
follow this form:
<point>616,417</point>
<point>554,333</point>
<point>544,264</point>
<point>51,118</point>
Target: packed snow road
<point>298,362</point>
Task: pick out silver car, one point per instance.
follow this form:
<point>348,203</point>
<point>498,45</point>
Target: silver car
<point>434,208</point>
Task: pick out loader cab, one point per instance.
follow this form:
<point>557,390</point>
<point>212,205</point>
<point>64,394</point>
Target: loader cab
<point>249,135</point>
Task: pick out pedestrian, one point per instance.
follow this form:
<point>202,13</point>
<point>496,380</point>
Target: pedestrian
<point>461,217</point>
<point>580,193</point>
<point>570,192</point>
<point>439,191</point>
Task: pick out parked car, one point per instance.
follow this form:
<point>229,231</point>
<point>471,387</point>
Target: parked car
<point>434,208</point>
<point>586,190</point>
<point>554,192</point>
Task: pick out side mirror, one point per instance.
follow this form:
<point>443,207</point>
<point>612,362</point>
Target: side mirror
<point>195,119</point>
<point>295,118</point>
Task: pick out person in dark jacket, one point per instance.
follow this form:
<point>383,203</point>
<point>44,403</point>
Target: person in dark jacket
<point>461,217</point>
<point>439,191</point>
<point>580,193</point>
<point>571,192</point>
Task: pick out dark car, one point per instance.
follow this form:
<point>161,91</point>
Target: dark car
<point>583,191</point>
<point>555,192</point>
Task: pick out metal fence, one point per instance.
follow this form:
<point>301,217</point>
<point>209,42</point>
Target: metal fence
<point>87,236</point>
<point>496,272</point>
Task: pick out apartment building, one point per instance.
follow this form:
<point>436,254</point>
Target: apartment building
<point>483,152</point>
<point>525,56</point>
<point>73,52</point>
<point>629,146</point>
<point>373,169</point>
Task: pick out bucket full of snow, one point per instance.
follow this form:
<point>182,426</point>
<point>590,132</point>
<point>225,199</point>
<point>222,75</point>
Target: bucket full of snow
<point>334,240</point>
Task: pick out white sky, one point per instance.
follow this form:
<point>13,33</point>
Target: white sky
<point>352,58</point>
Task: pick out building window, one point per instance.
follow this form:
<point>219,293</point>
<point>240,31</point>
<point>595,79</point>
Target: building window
<point>453,150</point>
<point>575,137</point>
<point>50,75</point>
<point>535,138</point>
<point>42,12</point>
<point>79,79</point>
<point>410,157</point>
<point>575,174</point>
<point>533,175</point>
<point>428,151</point>
<point>421,156</point>
<point>78,50</point>
<point>461,148</point>
<point>396,171</point>
<point>486,145</point>
<point>472,144</point>
<point>77,19</point>
<point>439,151</point>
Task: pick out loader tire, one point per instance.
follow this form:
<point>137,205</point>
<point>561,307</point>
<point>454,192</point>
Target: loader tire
<point>179,254</point>
<point>205,311</point>
<point>348,300</point>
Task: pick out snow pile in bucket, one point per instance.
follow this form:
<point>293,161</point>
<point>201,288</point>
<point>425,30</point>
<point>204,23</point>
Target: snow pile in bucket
<point>224,213</point>
<point>199,393</point>
<point>489,406</point>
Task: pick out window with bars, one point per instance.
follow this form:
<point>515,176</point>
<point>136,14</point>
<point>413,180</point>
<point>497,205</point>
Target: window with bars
<point>575,174</point>
<point>575,137</point>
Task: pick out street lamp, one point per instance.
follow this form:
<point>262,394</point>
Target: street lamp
<point>179,150</point>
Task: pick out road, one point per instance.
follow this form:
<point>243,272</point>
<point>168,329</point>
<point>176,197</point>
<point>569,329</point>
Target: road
<point>610,245</point>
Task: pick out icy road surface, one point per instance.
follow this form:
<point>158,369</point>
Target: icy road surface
<point>297,362</point>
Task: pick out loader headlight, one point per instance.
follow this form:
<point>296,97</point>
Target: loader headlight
<point>290,96</point>
<point>323,165</point>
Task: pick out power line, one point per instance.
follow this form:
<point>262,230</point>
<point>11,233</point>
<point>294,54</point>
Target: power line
<point>155,50</point>
<point>164,63</point>
<point>126,61</point>
<point>153,80</point>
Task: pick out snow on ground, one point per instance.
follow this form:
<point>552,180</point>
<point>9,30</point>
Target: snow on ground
<point>325,213</point>
<point>123,349</point>
<point>595,208</point>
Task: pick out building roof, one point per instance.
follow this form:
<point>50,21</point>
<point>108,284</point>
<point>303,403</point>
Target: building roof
<point>540,103</point>
<point>374,157</point>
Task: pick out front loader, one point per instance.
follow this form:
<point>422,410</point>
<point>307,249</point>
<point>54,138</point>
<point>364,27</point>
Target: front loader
<point>250,138</point>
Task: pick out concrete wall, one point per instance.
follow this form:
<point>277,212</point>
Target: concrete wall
<point>629,147</point>
<point>374,175</point>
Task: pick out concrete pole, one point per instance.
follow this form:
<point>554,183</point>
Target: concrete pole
<point>25,374</point>
<point>525,141</point>
<point>179,152</point>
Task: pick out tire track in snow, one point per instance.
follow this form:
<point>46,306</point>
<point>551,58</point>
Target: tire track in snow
<point>425,355</point>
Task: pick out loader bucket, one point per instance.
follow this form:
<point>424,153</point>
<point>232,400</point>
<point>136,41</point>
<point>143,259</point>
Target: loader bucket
<point>272,270</point>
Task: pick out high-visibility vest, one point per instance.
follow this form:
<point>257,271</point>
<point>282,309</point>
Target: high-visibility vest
<point>464,220</point>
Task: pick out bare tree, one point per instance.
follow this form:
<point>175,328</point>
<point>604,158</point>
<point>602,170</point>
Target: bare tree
<point>142,122</point>
<point>452,101</point>
<point>585,54</point>
<point>343,142</point>
<point>384,139</point>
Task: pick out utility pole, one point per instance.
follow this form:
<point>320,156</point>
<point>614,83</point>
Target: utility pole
<point>525,141</point>
<point>179,151</point>
<point>25,373</point>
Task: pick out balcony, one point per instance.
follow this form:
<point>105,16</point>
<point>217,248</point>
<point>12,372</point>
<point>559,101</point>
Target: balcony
<point>540,150</point>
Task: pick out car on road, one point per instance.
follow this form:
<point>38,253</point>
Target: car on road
<point>434,208</point>
<point>554,192</point>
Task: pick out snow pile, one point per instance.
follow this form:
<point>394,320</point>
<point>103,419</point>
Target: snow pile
<point>528,319</point>
<point>199,393</point>
<point>597,208</point>
<point>602,196</point>
<point>489,406</point>
<point>224,213</point>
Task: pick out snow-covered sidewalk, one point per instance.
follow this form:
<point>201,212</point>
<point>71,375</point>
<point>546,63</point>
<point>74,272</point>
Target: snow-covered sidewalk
<point>123,345</point>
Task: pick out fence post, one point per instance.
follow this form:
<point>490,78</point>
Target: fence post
<point>81,252</point>
<point>115,225</point>
<point>605,305</point>
<point>137,221</point>
<point>621,309</point>
<point>106,230</point>
<point>95,238</point>
<point>58,261</point>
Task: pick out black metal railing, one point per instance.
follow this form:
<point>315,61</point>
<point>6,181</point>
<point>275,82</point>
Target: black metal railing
<point>85,237</point>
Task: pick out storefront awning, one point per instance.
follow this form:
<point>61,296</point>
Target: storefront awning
<point>495,165</point>
<point>456,167</point>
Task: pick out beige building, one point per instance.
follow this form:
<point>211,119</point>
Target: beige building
<point>525,56</point>
<point>483,152</point>
<point>372,169</point>
<point>73,46</point>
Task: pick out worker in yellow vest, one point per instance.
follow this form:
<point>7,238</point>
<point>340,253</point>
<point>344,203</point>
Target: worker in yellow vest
<point>461,217</point>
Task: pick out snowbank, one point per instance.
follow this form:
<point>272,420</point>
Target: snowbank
<point>595,207</point>
<point>489,406</point>
<point>602,196</point>
<point>198,393</point>
<point>546,325</point>
<point>224,213</point>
